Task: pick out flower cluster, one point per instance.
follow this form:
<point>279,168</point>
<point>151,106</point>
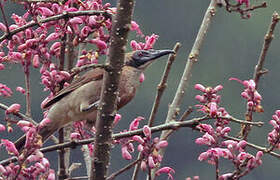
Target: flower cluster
<point>53,77</point>
<point>251,95</point>
<point>214,137</point>
<point>147,146</point>
<point>39,166</point>
<point>274,136</point>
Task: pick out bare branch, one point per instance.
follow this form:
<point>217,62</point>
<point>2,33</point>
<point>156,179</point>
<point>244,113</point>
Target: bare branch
<point>108,99</point>
<point>192,59</point>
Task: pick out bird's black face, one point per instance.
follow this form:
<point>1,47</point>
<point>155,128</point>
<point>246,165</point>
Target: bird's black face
<point>140,58</point>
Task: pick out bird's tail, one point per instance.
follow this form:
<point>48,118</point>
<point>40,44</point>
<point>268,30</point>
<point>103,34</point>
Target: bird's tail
<point>45,132</point>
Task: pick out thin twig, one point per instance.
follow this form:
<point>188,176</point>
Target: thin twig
<point>259,71</point>
<point>160,89</point>
<point>5,18</point>
<point>192,123</point>
<point>130,165</point>
<point>259,148</point>
<point>192,59</point>
<point>64,15</point>
<point>163,83</point>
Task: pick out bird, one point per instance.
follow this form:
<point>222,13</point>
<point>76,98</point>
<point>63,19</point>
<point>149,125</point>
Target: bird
<point>79,101</point>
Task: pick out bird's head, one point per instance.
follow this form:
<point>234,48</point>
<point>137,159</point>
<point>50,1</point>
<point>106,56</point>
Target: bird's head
<point>141,59</point>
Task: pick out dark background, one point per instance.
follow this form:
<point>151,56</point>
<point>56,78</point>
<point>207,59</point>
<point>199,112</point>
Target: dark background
<point>231,49</point>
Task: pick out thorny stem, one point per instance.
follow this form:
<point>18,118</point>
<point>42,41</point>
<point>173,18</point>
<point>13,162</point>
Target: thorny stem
<point>192,59</point>
<point>160,90</point>
<point>108,100</point>
<point>259,71</point>
<point>64,15</point>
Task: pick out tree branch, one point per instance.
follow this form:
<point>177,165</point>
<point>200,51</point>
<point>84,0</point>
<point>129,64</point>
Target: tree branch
<point>244,132</point>
<point>109,92</point>
<point>192,59</point>
<point>64,15</point>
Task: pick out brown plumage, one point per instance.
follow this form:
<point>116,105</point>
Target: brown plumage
<point>79,101</point>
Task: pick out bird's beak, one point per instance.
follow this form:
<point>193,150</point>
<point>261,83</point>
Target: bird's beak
<point>155,54</point>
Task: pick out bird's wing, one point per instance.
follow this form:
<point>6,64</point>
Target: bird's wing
<point>93,75</point>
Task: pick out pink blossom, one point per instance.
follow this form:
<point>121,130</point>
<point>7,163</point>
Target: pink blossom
<point>101,45</point>
<point>135,27</point>
<point>45,11</point>
<point>125,154</point>
<point>76,20</point>
<point>3,27</point>
<point>36,61</point>
<point>135,46</point>
<point>135,123</point>
<point>14,108</point>
<point>200,87</point>
<point>23,123</point>
<point>147,131</point>
<point>2,128</point>
<point>151,162</point>
<point>150,41</point>
<point>167,170</point>
<point>20,89</point>
<point>44,122</point>
<point>141,78</point>
<point>117,118</point>
<point>75,135</point>
<point>2,66</point>
<point>10,147</point>
<point>246,2</point>
<point>52,37</point>
<point>139,139</point>
<point>161,144</point>
<point>143,165</point>
<point>225,176</point>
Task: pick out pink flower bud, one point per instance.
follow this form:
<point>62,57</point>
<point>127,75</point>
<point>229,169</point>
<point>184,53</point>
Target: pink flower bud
<point>85,31</point>
<point>91,21</point>
<point>135,46</point>
<point>161,144</point>
<point>200,87</point>
<point>45,11</point>
<point>203,156</point>
<point>75,135</point>
<point>14,108</point>
<point>141,78</point>
<point>125,154</point>
<point>44,122</point>
<point>55,47</point>
<point>52,37</point>
<point>76,20</point>
<point>143,165</point>
<point>51,175</point>
<point>218,88</point>
<point>166,170</point>
<point>150,41</point>
<point>201,99</point>
<point>2,128</point>
<point>213,109</point>
<point>147,131</point>
<point>135,27</point>
<point>3,27</point>
<point>117,119</point>
<point>10,146</point>
<point>151,162</point>
<point>46,162</point>
<point>101,45</point>
<point>20,89</point>
<point>23,123</point>
<point>2,66</point>
<point>135,123</point>
<point>138,139</point>
<point>36,61</point>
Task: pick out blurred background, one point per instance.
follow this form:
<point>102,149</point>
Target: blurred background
<point>231,49</point>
